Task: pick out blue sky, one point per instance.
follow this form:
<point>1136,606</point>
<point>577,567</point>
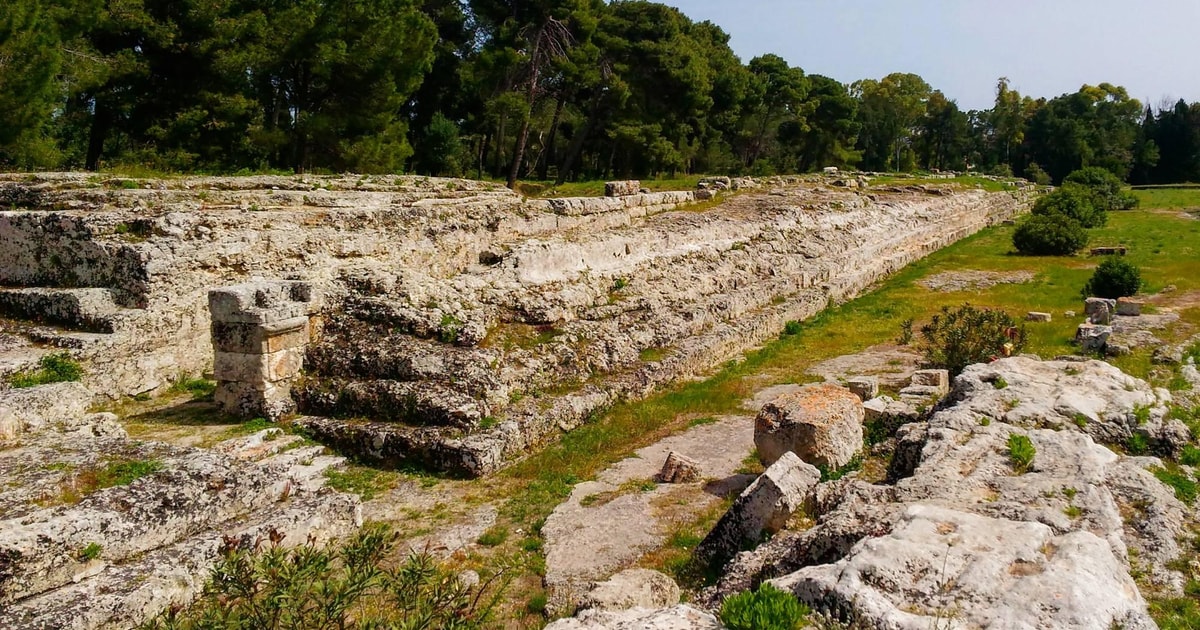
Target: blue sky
<point>1045,47</point>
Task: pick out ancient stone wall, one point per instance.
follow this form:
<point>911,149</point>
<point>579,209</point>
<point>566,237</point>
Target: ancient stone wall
<point>466,323</point>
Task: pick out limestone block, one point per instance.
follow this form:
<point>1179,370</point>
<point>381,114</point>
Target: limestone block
<point>1100,310</point>
<point>939,379</point>
<point>1093,337</point>
<point>257,368</point>
<point>679,617</point>
<point>633,588</point>
<point>1109,251</point>
<point>1129,307</point>
<point>865,387</point>
<point>247,338</point>
<point>705,194</point>
<point>262,302</point>
<point>679,469</point>
<point>822,424</point>
<point>622,189</point>
<point>37,408</point>
<point>765,507</point>
<point>1035,316</point>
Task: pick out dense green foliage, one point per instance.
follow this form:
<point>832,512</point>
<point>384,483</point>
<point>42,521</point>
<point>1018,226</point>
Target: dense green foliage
<point>547,90</point>
<point>1049,235</point>
<point>307,587</point>
<point>767,608</point>
<point>956,338</point>
<point>1114,278</point>
<point>1103,189</point>
<point>1074,203</point>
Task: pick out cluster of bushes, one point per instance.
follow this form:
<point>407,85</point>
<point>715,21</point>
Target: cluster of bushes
<point>956,338</point>
<point>1060,220</point>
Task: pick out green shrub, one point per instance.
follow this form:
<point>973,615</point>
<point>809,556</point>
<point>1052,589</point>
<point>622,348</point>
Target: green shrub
<point>767,608</point>
<point>1049,235</point>
<point>1137,444</point>
<point>1020,452</point>
<point>1114,278</point>
<point>90,552</point>
<point>1036,174</point>
<point>52,368</point>
<point>956,338</point>
<point>793,328</point>
<point>1073,202</point>
<point>1105,190</point>
<point>346,587</point>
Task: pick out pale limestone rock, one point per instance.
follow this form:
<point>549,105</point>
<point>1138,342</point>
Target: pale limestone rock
<point>1100,311</point>
<point>679,469</point>
<point>1093,337</point>
<point>764,507</point>
<point>622,188</point>
<point>681,617</point>
<point>822,424</point>
<point>1041,318</point>
<point>1129,307</point>
<point>632,588</point>
<point>865,387</point>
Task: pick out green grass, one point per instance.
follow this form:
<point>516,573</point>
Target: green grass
<point>90,552</point>
<point>364,481</point>
<point>52,368</point>
<point>123,473</point>
<point>199,388</point>
<point>1180,480</point>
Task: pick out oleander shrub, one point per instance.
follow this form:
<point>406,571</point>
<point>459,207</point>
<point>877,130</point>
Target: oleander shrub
<point>958,337</point>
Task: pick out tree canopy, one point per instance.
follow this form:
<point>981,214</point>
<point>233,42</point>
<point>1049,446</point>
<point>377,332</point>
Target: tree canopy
<point>542,89</point>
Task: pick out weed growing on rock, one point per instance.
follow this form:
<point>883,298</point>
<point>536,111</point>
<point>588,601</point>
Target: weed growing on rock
<point>90,552</point>
<point>347,587</point>
<point>494,536</point>
<point>1190,456</point>
<point>367,483</point>
<point>906,332</point>
<point>828,474</point>
<point>1000,383</point>
<point>123,473</point>
<point>1020,452</point>
<point>198,387</point>
<point>1137,444</point>
<point>1081,420</point>
<point>767,608</point>
<point>52,368</point>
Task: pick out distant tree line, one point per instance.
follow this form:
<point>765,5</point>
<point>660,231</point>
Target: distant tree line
<point>531,89</point>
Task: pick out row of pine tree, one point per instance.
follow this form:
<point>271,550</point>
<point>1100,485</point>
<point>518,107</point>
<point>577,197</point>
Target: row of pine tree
<point>508,89</point>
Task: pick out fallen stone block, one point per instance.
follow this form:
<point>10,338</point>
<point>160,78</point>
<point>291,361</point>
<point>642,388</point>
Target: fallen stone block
<point>680,617</point>
<point>939,379</point>
<point>622,189</point>
<point>822,424</point>
<point>1035,316</point>
<point>865,387</point>
<point>1109,251</point>
<point>1093,337</point>
<point>1099,310</point>
<point>785,488</point>
<point>679,469</point>
<point>632,588</point>
<point>1129,307</point>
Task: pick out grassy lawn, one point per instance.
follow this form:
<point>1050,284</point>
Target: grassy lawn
<point>1165,244</point>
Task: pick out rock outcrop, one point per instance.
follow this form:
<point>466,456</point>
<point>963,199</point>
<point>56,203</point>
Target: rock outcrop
<point>970,537</point>
<point>820,423</point>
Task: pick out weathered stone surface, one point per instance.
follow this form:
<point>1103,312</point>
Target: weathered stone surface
<point>865,387</point>
<point>1042,318</point>
<point>1100,311</point>
<point>36,409</point>
<point>939,379</point>
<point>822,424</point>
<point>679,469</point>
<point>681,617</point>
<point>1129,307</point>
<point>622,189</point>
<point>632,588</point>
<point>977,571</point>
<point>1109,251</point>
<point>764,508</point>
<point>1093,337</point>
<point>963,533</point>
<point>553,290</point>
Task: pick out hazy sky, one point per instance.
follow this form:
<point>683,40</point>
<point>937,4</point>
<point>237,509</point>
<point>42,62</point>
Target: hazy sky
<point>1045,47</point>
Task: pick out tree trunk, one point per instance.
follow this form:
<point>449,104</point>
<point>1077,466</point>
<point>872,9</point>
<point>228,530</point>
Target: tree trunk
<point>576,146</point>
<point>101,119</point>
<point>514,170</point>
<point>548,152</point>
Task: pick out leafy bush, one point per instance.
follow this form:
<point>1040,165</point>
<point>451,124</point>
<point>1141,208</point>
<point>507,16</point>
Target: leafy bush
<point>1036,174</point>
<point>767,608</point>
<point>1049,235</point>
<point>1114,278</point>
<point>956,338</point>
<point>1020,452</point>
<point>1103,188</point>
<point>306,587</point>
<point>52,368</point>
<point>1073,202</point>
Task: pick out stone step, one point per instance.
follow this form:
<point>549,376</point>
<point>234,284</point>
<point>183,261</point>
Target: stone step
<point>124,595</point>
<point>419,404</point>
<point>192,491</point>
<point>257,446</point>
<point>84,310</point>
<point>392,444</point>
